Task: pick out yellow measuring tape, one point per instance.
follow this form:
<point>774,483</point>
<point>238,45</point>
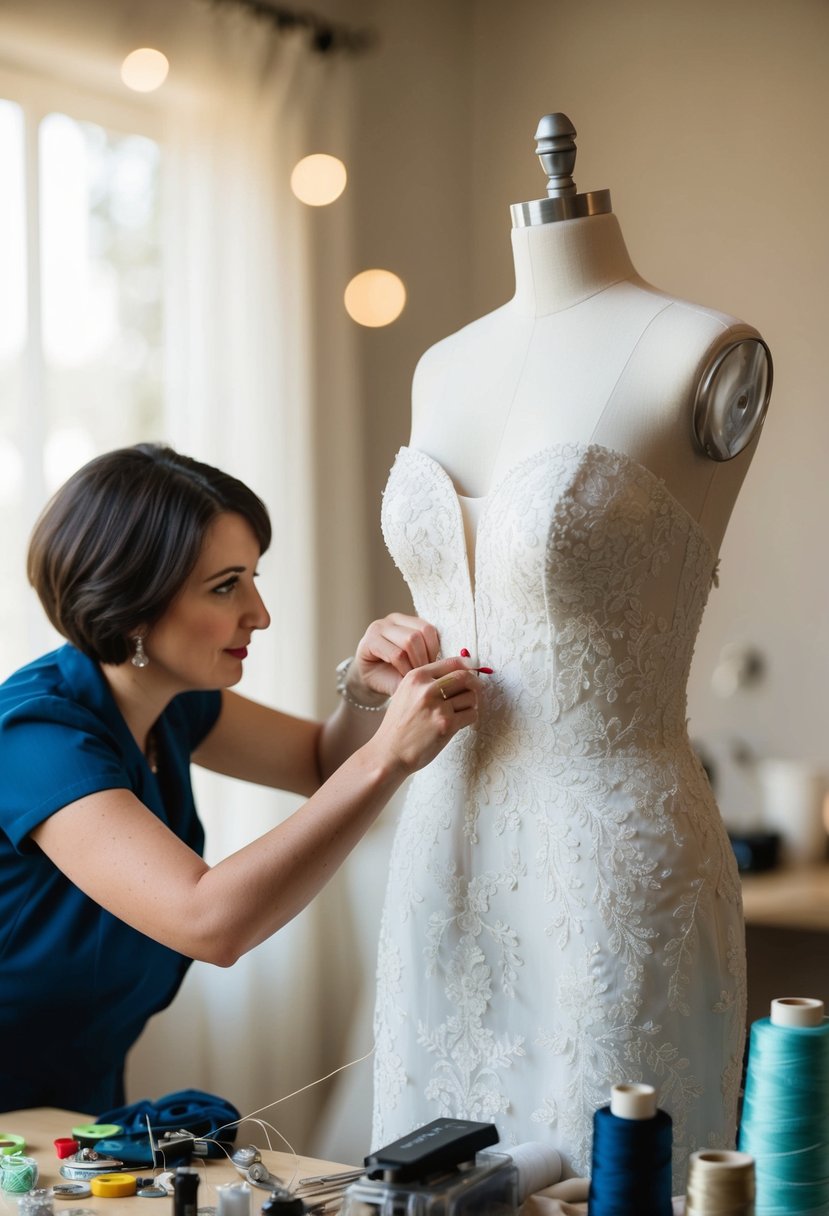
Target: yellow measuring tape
<point>113,1186</point>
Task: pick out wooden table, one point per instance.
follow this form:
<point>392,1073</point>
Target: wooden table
<point>793,897</point>
<point>787,935</point>
<point>41,1127</point>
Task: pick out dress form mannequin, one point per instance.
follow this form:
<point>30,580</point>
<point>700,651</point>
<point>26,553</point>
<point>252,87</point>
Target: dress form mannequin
<point>563,907</point>
<point>586,351</point>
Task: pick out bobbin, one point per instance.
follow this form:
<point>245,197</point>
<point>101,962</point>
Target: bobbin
<point>70,1190</point>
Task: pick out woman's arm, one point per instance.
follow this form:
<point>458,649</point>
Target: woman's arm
<point>255,743</point>
<point>121,855</point>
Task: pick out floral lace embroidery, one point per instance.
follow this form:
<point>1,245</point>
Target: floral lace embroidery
<point>563,909</point>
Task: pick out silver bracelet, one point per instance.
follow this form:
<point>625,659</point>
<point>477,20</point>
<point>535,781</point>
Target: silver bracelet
<point>342,689</point>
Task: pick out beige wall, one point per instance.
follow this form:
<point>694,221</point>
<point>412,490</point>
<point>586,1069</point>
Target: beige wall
<point>707,121</point>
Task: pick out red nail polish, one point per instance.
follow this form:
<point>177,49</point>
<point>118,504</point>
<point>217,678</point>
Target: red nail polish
<point>486,671</point>
<point>465,653</point>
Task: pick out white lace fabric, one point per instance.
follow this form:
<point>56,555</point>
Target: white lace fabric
<point>563,906</point>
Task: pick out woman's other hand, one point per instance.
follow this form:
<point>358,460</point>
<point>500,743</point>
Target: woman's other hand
<point>389,649</point>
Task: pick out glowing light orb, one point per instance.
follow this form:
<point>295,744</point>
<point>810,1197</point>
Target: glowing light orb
<point>144,70</point>
<point>318,179</point>
<point>375,298</point>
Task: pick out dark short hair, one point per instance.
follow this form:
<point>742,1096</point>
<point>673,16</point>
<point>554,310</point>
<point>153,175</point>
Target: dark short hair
<point>117,542</point>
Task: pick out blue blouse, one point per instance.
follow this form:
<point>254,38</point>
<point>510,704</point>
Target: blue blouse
<point>76,984</point>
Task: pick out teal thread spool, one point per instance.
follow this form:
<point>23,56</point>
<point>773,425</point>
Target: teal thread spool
<point>18,1174</point>
<point>785,1122</point>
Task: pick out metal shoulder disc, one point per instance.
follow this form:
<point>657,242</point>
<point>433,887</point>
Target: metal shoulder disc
<point>732,398</point>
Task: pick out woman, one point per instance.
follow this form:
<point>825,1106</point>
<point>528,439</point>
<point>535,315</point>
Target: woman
<point>145,561</point>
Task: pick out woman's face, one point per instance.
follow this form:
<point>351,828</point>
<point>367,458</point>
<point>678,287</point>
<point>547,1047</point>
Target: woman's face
<point>201,640</point>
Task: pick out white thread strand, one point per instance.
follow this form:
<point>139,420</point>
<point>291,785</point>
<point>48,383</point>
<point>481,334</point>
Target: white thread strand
<point>251,1118</point>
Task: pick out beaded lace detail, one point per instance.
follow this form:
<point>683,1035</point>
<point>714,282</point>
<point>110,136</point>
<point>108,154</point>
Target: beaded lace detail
<point>563,906</point>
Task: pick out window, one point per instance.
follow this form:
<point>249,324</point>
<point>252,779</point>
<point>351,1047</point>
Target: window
<point>80,309</point>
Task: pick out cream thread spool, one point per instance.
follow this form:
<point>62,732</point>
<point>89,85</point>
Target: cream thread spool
<point>720,1183</point>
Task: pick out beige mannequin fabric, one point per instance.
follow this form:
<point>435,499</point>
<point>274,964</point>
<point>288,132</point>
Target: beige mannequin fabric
<point>586,352</point>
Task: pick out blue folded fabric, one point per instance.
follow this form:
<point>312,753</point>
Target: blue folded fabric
<point>191,1110</point>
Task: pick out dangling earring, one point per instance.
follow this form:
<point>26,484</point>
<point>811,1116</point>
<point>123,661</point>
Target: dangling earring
<point>139,658</point>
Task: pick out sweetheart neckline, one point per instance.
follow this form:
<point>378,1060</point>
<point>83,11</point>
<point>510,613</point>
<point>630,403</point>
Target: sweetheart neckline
<point>549,449</point>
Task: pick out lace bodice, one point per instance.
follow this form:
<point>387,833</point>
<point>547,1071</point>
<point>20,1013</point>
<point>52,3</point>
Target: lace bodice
<point>584,559</point>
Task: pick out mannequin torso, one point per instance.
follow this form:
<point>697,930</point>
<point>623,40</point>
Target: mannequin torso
<point>563,904</point>
<point>586,352</point>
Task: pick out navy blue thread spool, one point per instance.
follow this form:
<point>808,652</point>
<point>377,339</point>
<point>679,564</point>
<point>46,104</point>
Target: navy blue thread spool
<point>631,1171</point>
<point>785,1119</point>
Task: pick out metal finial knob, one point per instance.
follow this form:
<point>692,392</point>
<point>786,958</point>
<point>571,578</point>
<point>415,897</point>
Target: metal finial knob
<point>556,149</point>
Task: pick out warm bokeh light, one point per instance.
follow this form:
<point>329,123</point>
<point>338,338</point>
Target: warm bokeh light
<point>144,70</point>
<point>375,298</point>
<point>318,179</point>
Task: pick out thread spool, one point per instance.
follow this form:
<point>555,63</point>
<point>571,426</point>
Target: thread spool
<point>234,1199</point>
<point>10,1144</point>
<point>185,1191</point>
<point>720,1183</point>
<point>18,1174</point>
<point>785,1119</point>
<point>538,1166</point>
<point>631,1170</point>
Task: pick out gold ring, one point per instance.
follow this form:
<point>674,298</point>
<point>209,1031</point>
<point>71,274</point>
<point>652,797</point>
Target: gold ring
<point>442,692</point>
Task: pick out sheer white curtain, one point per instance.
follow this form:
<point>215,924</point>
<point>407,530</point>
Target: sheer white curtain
<point>258,381</point>
<point>245,308</point>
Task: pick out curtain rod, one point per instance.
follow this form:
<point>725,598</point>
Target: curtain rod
<point>326,37</point>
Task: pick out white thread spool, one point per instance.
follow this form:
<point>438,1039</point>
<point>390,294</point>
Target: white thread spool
<point>633,1100</point>
<point>538,1166</point>
<point>720,1183</point>
<point>799,1011</point>
<point>234,1199</point>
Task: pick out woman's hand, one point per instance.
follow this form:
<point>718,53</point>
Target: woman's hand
<point>432,703</point>
<point>388,650</point>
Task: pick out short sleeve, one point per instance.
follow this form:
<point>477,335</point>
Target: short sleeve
<point>53,752</point>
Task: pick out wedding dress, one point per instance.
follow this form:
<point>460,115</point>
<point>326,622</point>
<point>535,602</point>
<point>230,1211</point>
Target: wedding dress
<point>563,907</point>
